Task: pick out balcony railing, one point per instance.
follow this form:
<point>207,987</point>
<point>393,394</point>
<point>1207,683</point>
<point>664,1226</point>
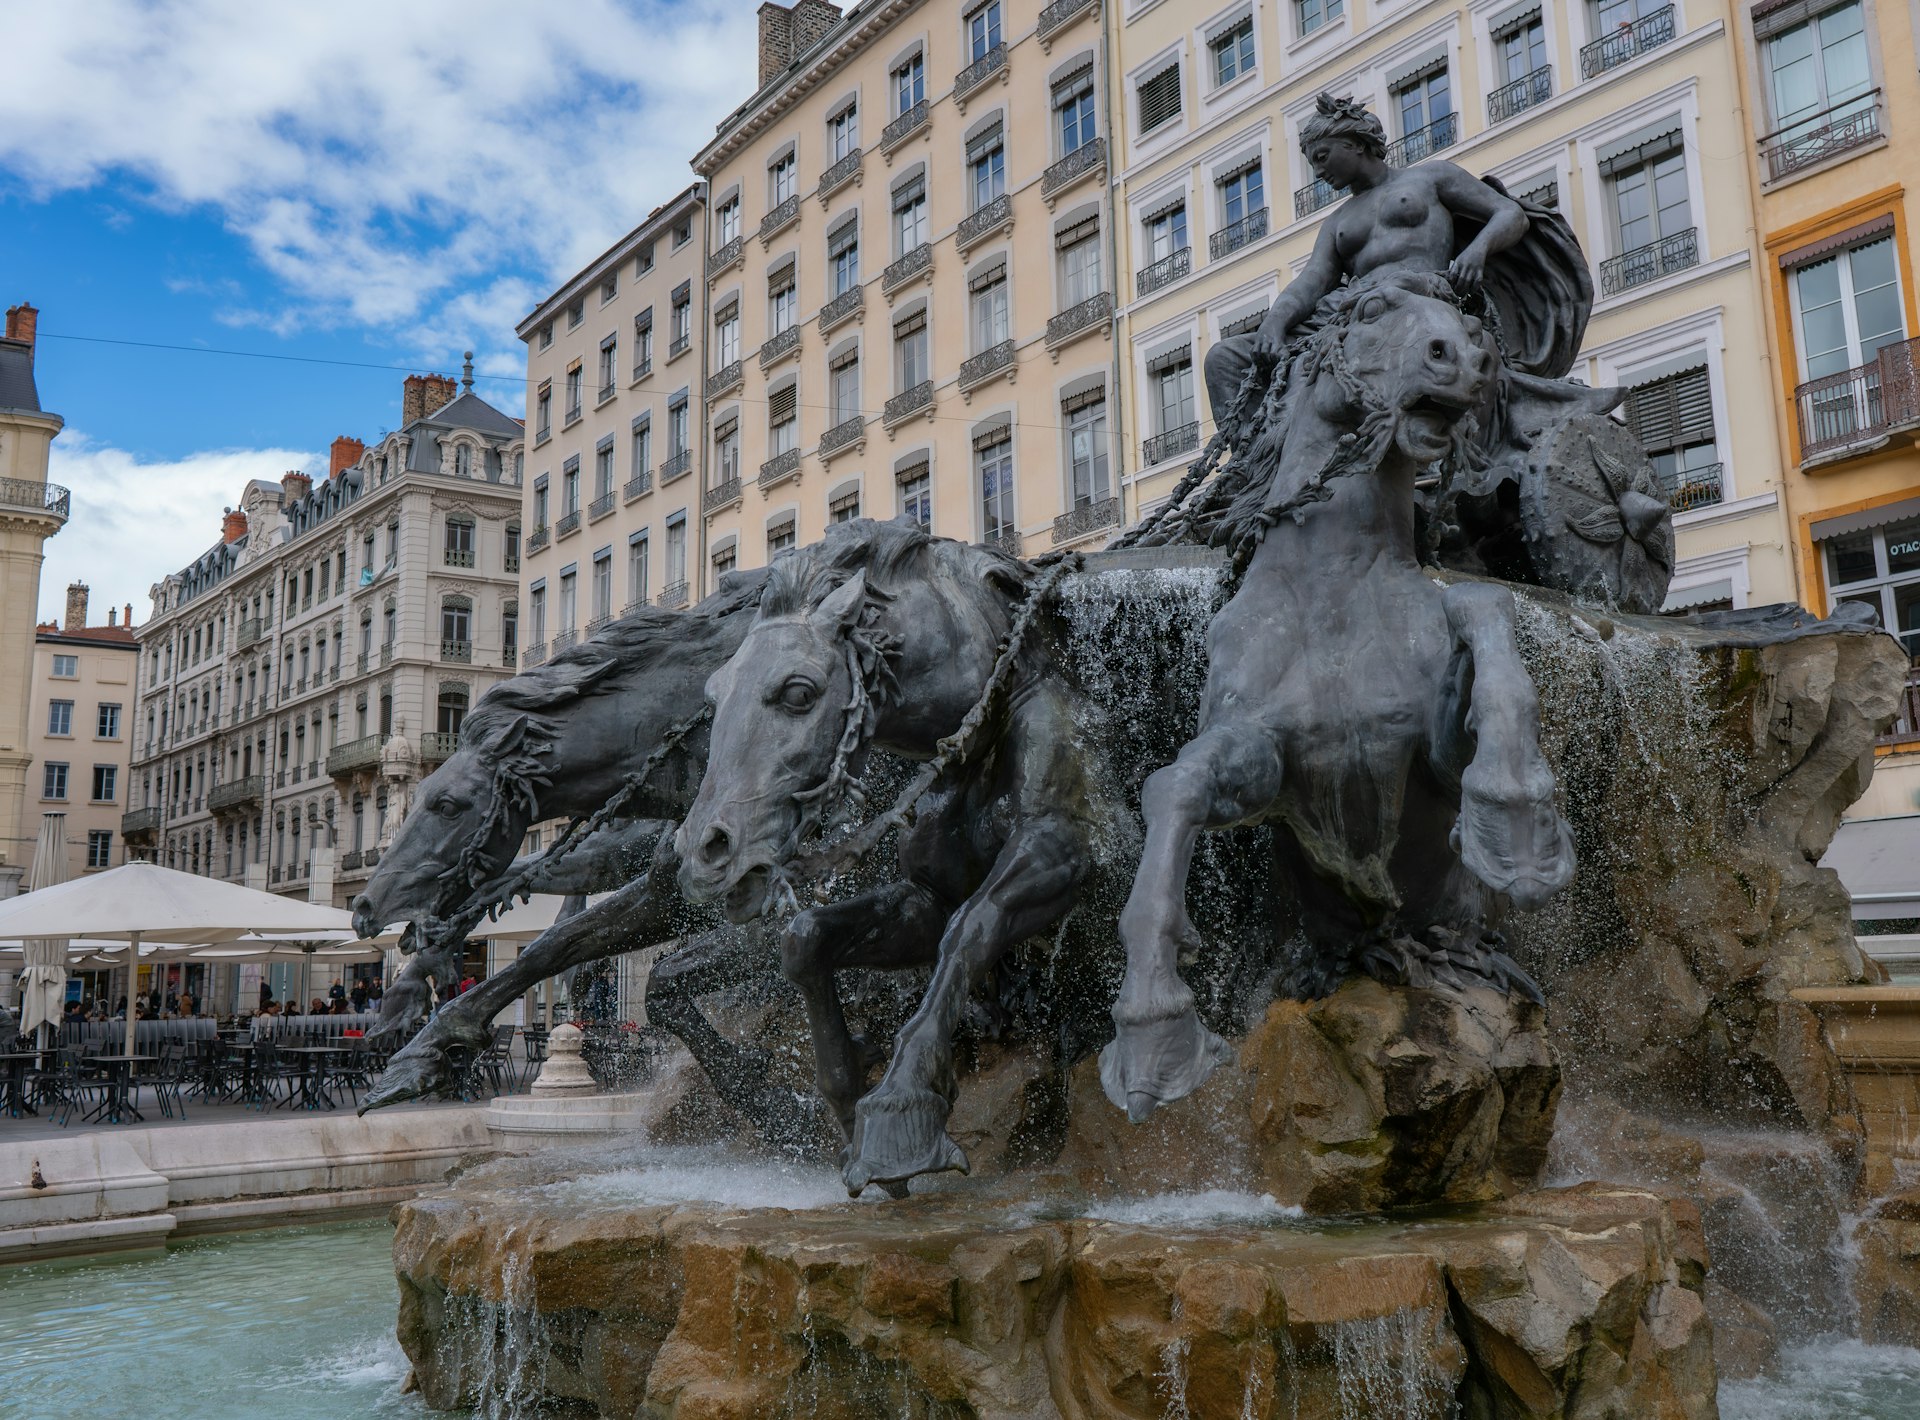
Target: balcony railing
<point>567,523</point>
<point>780,346</point>
<point>1164,272</point>
<point>1228,240</point>
<point>573,413</point>
<point>1007,540</point>
<point>386,653</point>
<point>461,651</point>
<point>843,435</point>
<point>915,262</point>
<point>1315,195</point>
<point>643,367</point>
<point>779,468</point>
<point>539,538</point>
<point>599,624</point>
<point>838,175</point>
<point>720,495</point>
<point>605,393</point>
<point>1423,143</point>
<point>459,557</point>
<point>1694,487</point>
<point>983,222</point>
<point>908,403</point>
<point>640,483</point>
<point>1815,139</point>
<point>1861,405</point>
<point>24,494</point>
<point>563,639</point>
<point>727,377</point>
<point>1089,517</point>
<point>676,466</point>
<point>726,256</point>
<point>235,792</point>
<point>355,754</point>
<point>779,217</point>
<point>1171,444</point>
<point>1088,157</point>
<point>140,821</point>
<point>1630,41</point>
<point>1090,314</point>
<point>536,653</point>
<point>904,127</point>
<point>509,656</point>
<point>1060,14</point>
<point>843,307</point>
<point>1650,262</point>
<point>1520,95</point>
<point>438,746</point>
<point>986,364</point>
<point>981,70</point>
<point>600,507</point>
<point>673,595</point>
<point>1906,724</point>
<point>679,346</point>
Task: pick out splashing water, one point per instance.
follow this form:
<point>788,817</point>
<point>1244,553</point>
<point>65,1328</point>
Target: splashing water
<point>669,1175</point>
<point>1213,1207</point>
<point>1845,1380</point>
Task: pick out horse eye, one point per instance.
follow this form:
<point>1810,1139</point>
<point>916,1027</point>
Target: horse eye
<point>798,695</point>
<point>446,808</point>
<point>1373,308</point>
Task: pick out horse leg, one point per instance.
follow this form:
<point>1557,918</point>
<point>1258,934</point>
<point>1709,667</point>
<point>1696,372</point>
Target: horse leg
<point>900,1128</point>
<point>1160,1052</point>
<point>890,927</point>
<point>1510,833</point>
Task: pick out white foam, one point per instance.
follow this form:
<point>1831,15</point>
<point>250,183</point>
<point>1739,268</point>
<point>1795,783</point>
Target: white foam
<point>1176,1210</point>
<point>668,1177</point>
<point>1834,1380</point>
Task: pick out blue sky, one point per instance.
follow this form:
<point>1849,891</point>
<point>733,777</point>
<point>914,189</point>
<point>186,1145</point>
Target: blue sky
<point>358,182</point>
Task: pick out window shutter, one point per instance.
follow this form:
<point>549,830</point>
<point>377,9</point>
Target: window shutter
<point>1165,208</point>
<point>906,473</point>
<point>783,528</point>
<point>984,143</point>
<point>1667,413</point>
<point>1160,98</point>
<point>1166,360</point>
<point>781,404</point>
<point>842,237</point>
<point>911,324</point>
<point>1077,233</point>
<point>1085,399</point>
<point>1071,86</point>
<point>992,438</point>
<point>1248,164</point>
<point>1655,141</point>
<point>909,192</point>
<point>990,276</point>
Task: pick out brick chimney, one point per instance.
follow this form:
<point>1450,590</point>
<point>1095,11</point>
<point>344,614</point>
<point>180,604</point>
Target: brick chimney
<point>346,453</point>
<point>776,41</point>
<point>421,395</point>
<point>76,607</point>
<point>233,527</point>
<point>812,19</point>
<point>294,485</point>
<point>127,620</point>
<point>22,321</point>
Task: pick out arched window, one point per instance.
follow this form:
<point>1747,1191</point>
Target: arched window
<point>463,460</point>
<point>456,628</point>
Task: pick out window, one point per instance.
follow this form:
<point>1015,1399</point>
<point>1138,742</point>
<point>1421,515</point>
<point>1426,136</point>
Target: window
<point>780,537</point>
<point>988,293</point>
<point>909,215</point>
<point>677,427</point>
<point>1079,247</point>
<point>106,783</point>
<point>637,569</point>
<point>783,421</point>
<point>66,667</point>
<point>513,548</point>
<point>642,450</point>
<point>609,353</point>
<point>1166,232</point>
<point>609,286</point>
<point>1846,307</point>
<point>546,336</point>
<point>1880,569</point>
<point>783,301</point>
<point>1649,187</point>
<point>845,508</point>
<point>843,131</point>
<point>576,313</point>
<point>540,518</point>
<point>543,413</point>
<point>725,560</point>
<point>993,459</point>
<point>1520,49</point>
<point>987,166</point>
<point>726,337</point>
<point>1673,417</point>
<point>106,725</point>
<point>909,84</point>
<point>782,179</point>
<point>459,542</point>
<point>843,386</point>
<point>1819,78</point>
<point>1158,96</point>
<point>726,453</point>
<point>60,717</point>
<point>1232,52</point>
<point>682,323</point>
<point>843,258</point>
<point>603,469</point>
<point>1073,112</point>
<point>537,613</point>
<point>99,848</point>
<point>727,219</point>
<point>603,584</point>
<point>677,550</point>
<point>53,780</point>
<point>643,260</point>
<point>1171,376</point>
<point>916,494</point>
<point>570,487</point>
<point>568,610</point>
<point>452,709</point>
<point>643,343</point>
<point>1242,193</point>
<point>576,381</point>
<point>1310,15</point>
<point>1423,99</point>
<point>1086,417</point>
<point>682,232</point>
<point>510,632</point>
<point>910,349</point>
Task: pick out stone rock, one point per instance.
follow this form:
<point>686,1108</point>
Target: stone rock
<point>1745,1341</point>
<point>1886,1279</point>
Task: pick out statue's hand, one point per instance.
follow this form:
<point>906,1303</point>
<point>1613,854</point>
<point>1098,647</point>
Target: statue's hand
<point>1268,346</point>
<point>1467,270</point>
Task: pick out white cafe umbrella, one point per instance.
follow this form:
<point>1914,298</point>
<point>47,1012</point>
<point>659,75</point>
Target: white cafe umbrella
<point>144,900</point>
<point>45,980</point>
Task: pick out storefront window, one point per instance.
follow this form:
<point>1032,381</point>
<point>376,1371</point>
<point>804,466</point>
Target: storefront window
<point>1880,570</point>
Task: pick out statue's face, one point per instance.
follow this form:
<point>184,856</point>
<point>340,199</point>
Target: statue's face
<point>1335,160</point>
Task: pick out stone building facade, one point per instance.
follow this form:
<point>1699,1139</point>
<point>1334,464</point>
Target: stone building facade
<point>81,732</point>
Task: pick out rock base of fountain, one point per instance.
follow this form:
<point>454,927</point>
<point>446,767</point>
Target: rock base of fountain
<point>1582,1301</point>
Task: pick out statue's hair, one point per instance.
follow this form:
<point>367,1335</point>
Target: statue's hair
<point>886,552</point>
<point>1344,118</point>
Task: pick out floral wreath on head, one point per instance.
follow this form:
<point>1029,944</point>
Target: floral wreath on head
<point>1344,118</point>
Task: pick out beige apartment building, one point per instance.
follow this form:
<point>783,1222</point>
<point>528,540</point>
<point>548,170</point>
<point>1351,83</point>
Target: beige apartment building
<point>1625,115</point>
<point>908,271</point>
<point>81,732</point>
<point>613,395</point>
<point>31,511</point>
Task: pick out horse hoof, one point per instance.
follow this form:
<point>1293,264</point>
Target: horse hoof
<point>898,1135</point>
<point>1151,1063</point>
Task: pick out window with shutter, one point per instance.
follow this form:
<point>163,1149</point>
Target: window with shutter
<point>1160,98</point>
<point>781,403</point>
<point>1673,417</point>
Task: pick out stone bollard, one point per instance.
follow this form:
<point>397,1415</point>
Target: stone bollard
<point>564,1072</point>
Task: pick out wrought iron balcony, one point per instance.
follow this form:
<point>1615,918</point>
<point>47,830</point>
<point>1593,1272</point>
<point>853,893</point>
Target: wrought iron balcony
<point>236,792</point>
<point>1315,195</point>
<point>674,595</point>
<point>386,653</point>
<point>1007,540</point>
<point>600,507</point>
<point>139,821</point>
<point>1423,143</point>
<point>573,413</point>
<point>1076,320</point>
<point>723,494</point>
<point>838,174</point>
<point>1814,140</point>
<point>535,653</point>
<point>984,222</point>
<point>843,435</point>
<point>1519,96</point>
<point>1693,487</point>
<point>1862,405</point>
<point>1062,13</point>
<point>640,483</point>
<point>908,403</point>
<point>453,650</point>
<point>1170,444</point>
<point>904,127</point>
<point>512,562</point>
<point>676,466</point>
<point>604,393</point>
<point>914,263</point>
<point>1630,41</point>
<point>351,860</point>
<point>438,746</point>
<point>567,524</point>
<point>251,630</point>
<point>679,346</point>
<point>509,656</point>
<point>727,255</point>
<point>1164,272</point>
<point>1089,157</point>
<point>642,368</point>
<point>563,639</point>
<point>1226,241</point>
<point>776,349</point>
<point>459,557</point>
<point>1088,517</point>
<point>779,217</point>
<point>727,377</point>
<point>539,538</point>
<point>842,308</point>
<point>779,468</point>
<point>26,495</point>
<point>599,624</point>
<point>981,70</point>
<point>1650,262</point>
<point>354,755</point>
<point>986,364</point>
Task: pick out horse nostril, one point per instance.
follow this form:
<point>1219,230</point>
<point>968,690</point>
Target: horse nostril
<point>715,846</point>
<point>1439,350</point>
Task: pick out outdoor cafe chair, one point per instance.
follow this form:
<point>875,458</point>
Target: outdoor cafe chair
<point>168,1077</point>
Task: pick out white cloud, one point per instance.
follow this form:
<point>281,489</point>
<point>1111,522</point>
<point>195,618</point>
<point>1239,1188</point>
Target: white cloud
<point>135,521</point>
<point>383,162</point>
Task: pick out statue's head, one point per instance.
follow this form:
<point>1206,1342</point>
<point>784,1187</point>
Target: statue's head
<point>1337,135</point>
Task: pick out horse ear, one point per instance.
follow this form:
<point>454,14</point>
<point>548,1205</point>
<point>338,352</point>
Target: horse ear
<point>843,606</point>
<point>510,741</point>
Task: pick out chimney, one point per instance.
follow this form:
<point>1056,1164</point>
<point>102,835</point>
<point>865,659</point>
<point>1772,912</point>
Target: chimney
<point>812,20</point>
<point>420,395</point>
<point>776,41</point>
<point>128,620</point>
<point>346,453</point>
<point>113,616</point>
<point>233,527</point>
<point>76,607</point>
<point>22,321</point>
<point>294,485</point>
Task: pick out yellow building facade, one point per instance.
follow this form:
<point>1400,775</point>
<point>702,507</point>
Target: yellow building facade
<point>84,688</point>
